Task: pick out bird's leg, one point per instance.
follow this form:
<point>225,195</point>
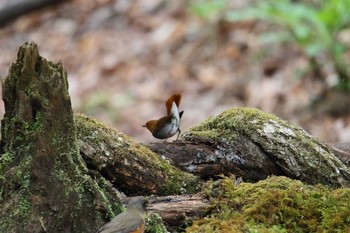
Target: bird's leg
<point>178,134</point>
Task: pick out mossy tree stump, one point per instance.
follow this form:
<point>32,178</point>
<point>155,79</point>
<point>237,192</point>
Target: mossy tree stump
<point>46,186</point>
<point>43,179</point>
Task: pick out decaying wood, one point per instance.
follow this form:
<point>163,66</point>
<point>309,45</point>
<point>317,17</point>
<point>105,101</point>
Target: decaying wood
<point>342,151</point>
<point>209,159</point>
<point>253,145</point>
<point>203,159</point>
<point>44,182</point>
<point>131,167</point>
<point>174,210</point>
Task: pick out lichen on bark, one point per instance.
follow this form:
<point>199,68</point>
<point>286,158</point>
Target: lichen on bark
<point>45,186</point>
<point>265,137</point>
<point>131,167</point>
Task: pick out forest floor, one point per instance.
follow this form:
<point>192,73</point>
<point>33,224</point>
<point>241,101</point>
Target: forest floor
<point>125,58</point>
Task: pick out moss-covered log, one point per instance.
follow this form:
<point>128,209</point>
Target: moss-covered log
<point>131,167</point>
<point>43,179</point>
<point>252,144</point>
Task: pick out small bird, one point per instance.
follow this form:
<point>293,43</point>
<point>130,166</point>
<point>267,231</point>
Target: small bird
<point>132,220</point>
<point>168,125</point>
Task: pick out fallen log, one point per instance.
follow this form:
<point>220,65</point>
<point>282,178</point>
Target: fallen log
<point>175,210</point>
<point>132,168</point>
<point>254,145</point>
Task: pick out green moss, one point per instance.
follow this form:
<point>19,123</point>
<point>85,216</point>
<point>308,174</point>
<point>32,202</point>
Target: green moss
<point>67,176</point>
<point>113,206</point>
<point>44,181</point>
<point>309,159</point>
<point>277,204</point>
<point>5,160</point>
<point>241,119</point>
<point>88,193</point>
<point>155,224</point>
<point>114,146</point>
<point>181,183</point>
<point>18,181</point>
<point>253,123</point>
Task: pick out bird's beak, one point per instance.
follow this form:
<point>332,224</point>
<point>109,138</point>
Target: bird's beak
<point>144,126</point>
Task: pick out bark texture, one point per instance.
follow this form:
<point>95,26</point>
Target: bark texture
<point>43,179</point>
<point>342,151</point>
<point>252,144</point>
<point>176,211</point>
<point>131,167</point>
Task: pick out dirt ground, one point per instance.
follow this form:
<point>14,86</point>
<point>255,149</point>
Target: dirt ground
<point>125,58</point>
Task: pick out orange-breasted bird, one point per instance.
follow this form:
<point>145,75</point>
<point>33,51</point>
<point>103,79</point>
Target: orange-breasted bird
<point>168,125</point>
<point>132,220</point>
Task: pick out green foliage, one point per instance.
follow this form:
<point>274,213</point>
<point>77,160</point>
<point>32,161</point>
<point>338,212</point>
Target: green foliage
<point>277,204</point>
<point>315,28</point>
<point>207,9</point>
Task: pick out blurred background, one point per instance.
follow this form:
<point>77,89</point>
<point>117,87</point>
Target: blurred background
<point>125,58</point>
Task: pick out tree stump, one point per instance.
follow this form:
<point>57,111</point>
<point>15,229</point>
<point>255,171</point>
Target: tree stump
<point>43,179</point>
<point>46,186</point>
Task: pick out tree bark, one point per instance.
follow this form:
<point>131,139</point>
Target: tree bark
<point>253,145</point>
<point>342,151</point>
<point>209,159</point>
<point>132,168</point>
<point>43,179</point>
<point>176,210</point>
<point>45,183</point>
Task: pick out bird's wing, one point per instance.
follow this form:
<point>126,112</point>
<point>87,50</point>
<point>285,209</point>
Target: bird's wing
<point>122,223</point>
<point>180,114</point>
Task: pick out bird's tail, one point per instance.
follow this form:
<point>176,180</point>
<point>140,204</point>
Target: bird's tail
<point>174,98</point>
